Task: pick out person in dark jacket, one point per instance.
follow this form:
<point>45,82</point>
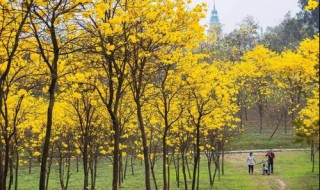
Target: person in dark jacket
<point>271,157</point>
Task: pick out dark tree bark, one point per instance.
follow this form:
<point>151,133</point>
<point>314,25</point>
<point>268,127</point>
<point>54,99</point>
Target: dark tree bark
<point>197,155</point>
<point>3,77</point>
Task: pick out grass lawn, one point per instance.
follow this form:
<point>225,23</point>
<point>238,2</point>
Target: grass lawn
<point>251,138</point>
<point>293,168</point>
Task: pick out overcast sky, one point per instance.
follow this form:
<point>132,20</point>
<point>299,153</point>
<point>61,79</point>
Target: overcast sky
<point>266,12</point>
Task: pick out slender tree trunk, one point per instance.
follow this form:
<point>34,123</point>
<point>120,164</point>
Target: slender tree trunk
<point>178,172</point>
<point>30,163</point>
<point>215,173</point>
<point>121,169</point>
<point>260,117</point>
<point>285,120</point>
<point>197,156</point>
<point>77,163</point>
<point>93,169</point>
<point>209,160</point>
<point>168,169</point>
<point>313,154</point>
<point>6,164</point>
<point>68,161</point>
<point>1,168</point>
<point>189,173</point>
<point>198,174</point>
<point>125,168</point>
<point>16,171</point>
<point>116,155</point>
<point>46,144</point>
<point>131,164</point>
<point>246,113</point>
<point>164,161</point>
<point>241,119</point>
<point>222,160</point>
<point>154,176</point>
<point>48,171</point>
<point>85,167</point>
<point>61,172</point>
<point>145,146</point>
<point>184,171</point>
<point>11,173</point>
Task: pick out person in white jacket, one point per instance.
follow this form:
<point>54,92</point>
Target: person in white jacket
<point>251,162</point>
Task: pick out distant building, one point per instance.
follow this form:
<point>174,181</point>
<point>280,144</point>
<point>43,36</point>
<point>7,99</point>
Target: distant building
<point>214,19</point>
<point>215,26</point>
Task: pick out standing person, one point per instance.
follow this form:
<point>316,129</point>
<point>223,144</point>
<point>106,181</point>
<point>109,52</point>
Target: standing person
<point>251,162</point>
<point>270,156</point>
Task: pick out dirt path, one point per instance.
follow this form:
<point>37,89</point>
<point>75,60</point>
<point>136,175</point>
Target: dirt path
<point>282,184</point>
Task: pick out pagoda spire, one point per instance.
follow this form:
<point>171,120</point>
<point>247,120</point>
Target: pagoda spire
<point>214,15</point>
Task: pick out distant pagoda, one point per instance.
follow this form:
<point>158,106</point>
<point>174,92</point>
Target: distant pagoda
<point>214,19</point>
<point>215,26</point>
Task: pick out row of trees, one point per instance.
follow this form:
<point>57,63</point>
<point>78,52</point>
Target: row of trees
<point>121,79</point>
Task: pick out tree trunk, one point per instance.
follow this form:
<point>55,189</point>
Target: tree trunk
<point>46,144</point>
<point>116,154</point>
<point>312,154</point>
<point>85,167</point>
<point>184,171</point>
<point>61,171</point>
<point>30,163</point>
<point>68,161</point>
<point>6,164</point>
<point>187,163</point>
<point>77,163</point>
<point>168,169</point>
<point>48,172</point>
<point>121,169</point>
<point>164,161</point>
<point>1,168</point>
<point>198,177</point>
<point>131,164</point>
<point>260,117</point>
<point>178,172</point>
<point>16,171</point>
<point>222,160</point>
<point>285,120</point>
<point>125,168</point>
<point>209,160</point>
<point>93,168</point>
<point>11,173</point>
<point>154,177</point>
<point>197,156</point>
<point>145,146</point>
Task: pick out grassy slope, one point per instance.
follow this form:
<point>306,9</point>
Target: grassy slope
<point>293,168</point>
<point>251,138</point>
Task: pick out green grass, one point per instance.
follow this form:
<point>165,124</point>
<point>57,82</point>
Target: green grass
<point>293,168</point>
<point>251,138</point>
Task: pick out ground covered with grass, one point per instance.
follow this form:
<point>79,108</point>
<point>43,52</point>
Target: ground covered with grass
<point>251,138</point>
<point>292,169</point>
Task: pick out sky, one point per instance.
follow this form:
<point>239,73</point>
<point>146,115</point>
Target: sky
<point>265,12</point>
